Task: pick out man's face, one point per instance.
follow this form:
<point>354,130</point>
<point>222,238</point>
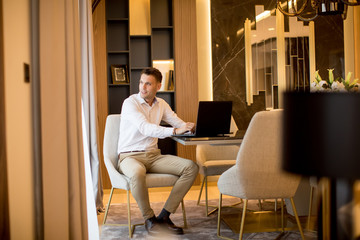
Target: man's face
<point>148,86</point>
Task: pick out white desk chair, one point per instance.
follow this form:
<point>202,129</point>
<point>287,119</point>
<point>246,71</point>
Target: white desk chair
<point>120,181</point>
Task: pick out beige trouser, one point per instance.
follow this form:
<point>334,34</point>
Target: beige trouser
<point>135,165</point>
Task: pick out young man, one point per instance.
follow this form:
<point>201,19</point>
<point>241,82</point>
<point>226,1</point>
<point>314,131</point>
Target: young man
<point>138,151</point>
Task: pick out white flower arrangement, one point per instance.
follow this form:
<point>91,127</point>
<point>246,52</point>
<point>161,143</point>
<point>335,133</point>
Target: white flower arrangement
<point>334,85</point>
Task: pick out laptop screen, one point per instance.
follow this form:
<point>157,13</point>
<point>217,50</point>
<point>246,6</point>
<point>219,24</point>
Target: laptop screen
<point>213,118</point>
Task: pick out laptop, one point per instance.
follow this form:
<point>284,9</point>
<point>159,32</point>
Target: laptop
<point>213,120</point>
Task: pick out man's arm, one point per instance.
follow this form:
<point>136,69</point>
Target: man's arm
<point>179,125</point>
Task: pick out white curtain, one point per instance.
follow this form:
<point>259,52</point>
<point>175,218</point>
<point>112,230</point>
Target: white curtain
<point>93,229</point>
<point>92,165</point>
<point>88,97</point>
<point>69,152</point>
<point>63,172</point>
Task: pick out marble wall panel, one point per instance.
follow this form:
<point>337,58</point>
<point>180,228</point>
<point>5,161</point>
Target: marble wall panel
<point>227,17</point>
<point>329,41</point>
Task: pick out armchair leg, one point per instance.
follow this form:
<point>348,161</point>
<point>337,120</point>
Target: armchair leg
<point>297,219</point>
<point>260,205</point>
<point>219,216</point>
<point>184,213</point>
<point>129,214</point>
<point>243,220</point>
<point>219,219</point>
<point>206,196</point>
<point>205,182</point>
<point>282,215</point>
<point>108,205</point>
<point>310,207</point>
<point>201,188</point>
<point>131,227</point>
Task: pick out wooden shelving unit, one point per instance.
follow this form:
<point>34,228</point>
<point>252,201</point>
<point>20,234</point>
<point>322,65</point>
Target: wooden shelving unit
<point>139,52</point>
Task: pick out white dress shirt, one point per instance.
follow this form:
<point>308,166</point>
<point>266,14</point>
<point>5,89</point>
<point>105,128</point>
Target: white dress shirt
<point>140,123</point>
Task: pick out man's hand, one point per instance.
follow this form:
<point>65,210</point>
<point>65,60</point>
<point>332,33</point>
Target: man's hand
<point>188,127</point>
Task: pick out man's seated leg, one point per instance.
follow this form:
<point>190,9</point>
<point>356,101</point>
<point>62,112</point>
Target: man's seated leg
<point>187,171</point>
<point>136,171</point>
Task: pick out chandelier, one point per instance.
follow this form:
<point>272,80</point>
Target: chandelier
<point>308,10</point>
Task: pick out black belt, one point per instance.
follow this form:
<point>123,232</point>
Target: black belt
<point>133,151</point>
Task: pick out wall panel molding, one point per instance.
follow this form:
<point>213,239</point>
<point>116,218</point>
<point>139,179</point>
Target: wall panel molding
<point>186,67</point>
<point>4,204</point>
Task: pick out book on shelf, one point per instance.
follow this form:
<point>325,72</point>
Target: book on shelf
<point>168,81</point>
<point>166,67</point>
<point>165,81</point>
<point>170,84</point>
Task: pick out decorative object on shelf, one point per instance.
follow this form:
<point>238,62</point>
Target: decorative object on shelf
<point>334,85</point>
<point>120,74</point>
<point>171,84</point>
<point>166,67</point>
<point>310,9</point>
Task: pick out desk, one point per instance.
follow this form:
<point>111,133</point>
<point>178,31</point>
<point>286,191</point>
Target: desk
<point>209,141</point>
<point>235,139</point>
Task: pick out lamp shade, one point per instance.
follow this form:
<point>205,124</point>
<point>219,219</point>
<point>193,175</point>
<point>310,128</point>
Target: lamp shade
<point>322,134</point>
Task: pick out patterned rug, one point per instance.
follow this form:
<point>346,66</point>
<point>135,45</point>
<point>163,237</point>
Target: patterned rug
<point>199,226</point>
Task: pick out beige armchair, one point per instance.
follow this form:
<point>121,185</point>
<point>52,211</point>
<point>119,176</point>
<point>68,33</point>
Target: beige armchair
<point>213,161</point>
<point>257,173</point>
<point>120,181</point>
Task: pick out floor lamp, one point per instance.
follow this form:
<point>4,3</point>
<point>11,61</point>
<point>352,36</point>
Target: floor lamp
<point>322,138</point>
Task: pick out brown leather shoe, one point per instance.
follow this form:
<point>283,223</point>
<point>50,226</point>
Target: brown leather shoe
<point>169,226</point>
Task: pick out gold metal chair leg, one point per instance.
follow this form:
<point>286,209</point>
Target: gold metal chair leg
<point>131,227</point>
<point>129,214</point>
<point>282,233</point>
<point>201,189</point>
<point>219,215</point>
<point>207,212</point>
<point>206,196</point>
<point>325,196</point>
<point>260,205</point>
<point>282,214</point>
<point>310,207</point>
<point>108,205</point>
<point>184,213</point>
<point>243,219</point>
<point>297,219</point>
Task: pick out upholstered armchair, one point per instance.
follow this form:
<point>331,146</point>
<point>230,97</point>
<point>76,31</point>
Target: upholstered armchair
<point>257,173</point>
<point>120,181</point>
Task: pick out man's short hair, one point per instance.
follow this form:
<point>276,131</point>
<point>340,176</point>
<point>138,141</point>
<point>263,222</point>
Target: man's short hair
<point>153,72</point>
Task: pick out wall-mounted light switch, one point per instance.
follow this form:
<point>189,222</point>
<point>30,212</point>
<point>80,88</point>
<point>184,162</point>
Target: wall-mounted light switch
<point>26,72</point>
